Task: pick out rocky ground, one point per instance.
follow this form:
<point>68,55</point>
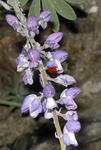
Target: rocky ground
<point>82,39</point>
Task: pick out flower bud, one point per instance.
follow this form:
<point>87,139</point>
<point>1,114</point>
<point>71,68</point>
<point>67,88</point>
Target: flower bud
<point>34,57</point>
<point>33,54</point>
<point>49,91</point>
<point>71,93</point>
<point>32,24</point>
<point>22,62</point>
<point>65,80</point>
<point>12,21</point>
<point>53,39</point>
<point>44,17</point>
<point>59,55</point>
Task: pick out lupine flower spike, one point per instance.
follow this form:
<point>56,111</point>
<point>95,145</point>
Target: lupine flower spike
<point>30,60</point>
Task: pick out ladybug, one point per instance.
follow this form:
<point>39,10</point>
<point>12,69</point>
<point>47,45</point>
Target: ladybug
<point>52,69</point>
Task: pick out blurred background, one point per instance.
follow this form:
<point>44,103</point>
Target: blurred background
<point>82,39</point>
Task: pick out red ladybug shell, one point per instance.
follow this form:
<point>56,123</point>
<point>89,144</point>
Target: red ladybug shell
<point>52,70</point>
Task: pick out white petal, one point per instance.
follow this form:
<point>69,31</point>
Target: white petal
<point>63,94</point>
<point>49,56</point>
<point>71,136</point>
<point>25,63</point>
<point>73,140</point>
<point>48,115</point>
<point>59,66</point>
<point>50,103</point>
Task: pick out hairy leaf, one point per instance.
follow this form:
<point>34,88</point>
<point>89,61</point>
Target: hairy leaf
<point>35,8</point>
<point>64,9</point>
<point>23,2</point>
<point>47,5</point>
<point>75,1</point>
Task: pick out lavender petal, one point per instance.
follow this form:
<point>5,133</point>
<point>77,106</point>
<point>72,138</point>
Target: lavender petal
<point>12,21</point>
<point>28,77</point>
<point>49,91</point>
<point>73,126</point>
<point>51,104</point>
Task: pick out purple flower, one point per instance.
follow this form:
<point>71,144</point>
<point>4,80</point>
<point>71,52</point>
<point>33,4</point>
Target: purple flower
<point>67,97</point>
<point>28,59</point>
<point>28,77</point>
<point>35,108</point>
<point>12,21</point>
<point>25,104</point>
<point>55,63</point>
<point>44,17</point>
<point>71,115</point>
<point>32,104</point>
<point>22,62</point>
<point>33,54</point>
<point>50,104</point>
<point>65,80</point>
<point>72,92</point>
<point>53,39</point>
<point>69,138</point>
<point>69,103</point>
<point>49,91</point>
<point>32,25</point>
<point>34,57</point>
<point>73,126</point>
<point>66,139</point>
<point>59,55</point>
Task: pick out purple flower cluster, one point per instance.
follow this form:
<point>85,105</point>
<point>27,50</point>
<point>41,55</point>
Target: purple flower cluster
<point>29,61</point>
<point>73,125</point>
<point>32,22</point>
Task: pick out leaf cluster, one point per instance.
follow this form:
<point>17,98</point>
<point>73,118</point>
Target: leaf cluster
<point>61,7</point>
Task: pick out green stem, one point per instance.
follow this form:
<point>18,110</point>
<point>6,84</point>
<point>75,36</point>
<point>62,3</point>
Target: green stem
<point>3,102</point>
<point>58,130</point>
